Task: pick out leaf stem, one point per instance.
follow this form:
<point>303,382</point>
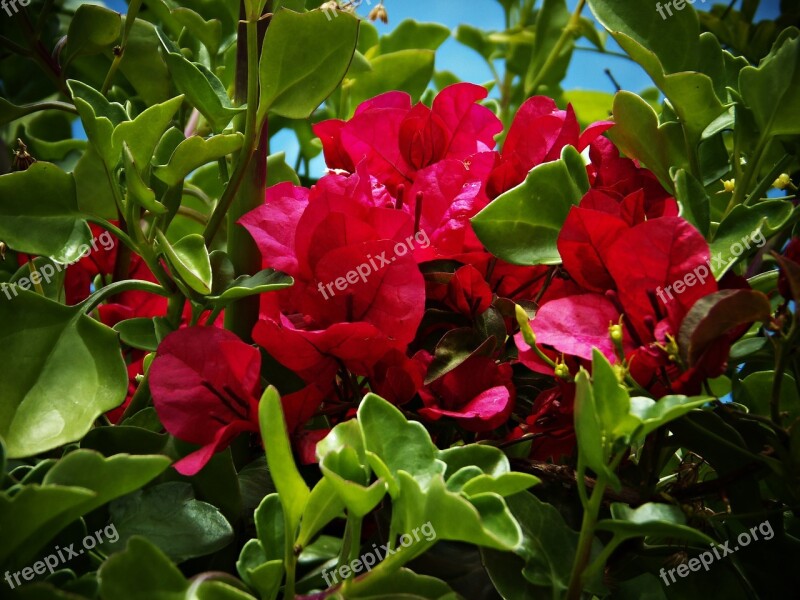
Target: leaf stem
<point>555,52</point>
<point>119,51</point>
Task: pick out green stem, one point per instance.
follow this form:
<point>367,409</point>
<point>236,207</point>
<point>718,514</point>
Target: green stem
<point>783,349</point>
<point>118,287</point>
<point>119,51</point>
<point>241,316</point>
<point>555,52</point>
<point>249,144</point>
<point>753,165</point>
<point>583,552</point>
<point>139,401</point>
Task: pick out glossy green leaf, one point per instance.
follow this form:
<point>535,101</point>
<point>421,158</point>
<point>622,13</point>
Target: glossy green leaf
<point>673,39</point>
<point>137,189</point>
<point>772,90</point>
<point>639,135</point>
<point>170,517</point>
<point>594,439</point>
<point>744,230</point>
<point>543,562</point>
<point>324,505</point>
<point>189,257</point>
<point>39,213</point>
<point>270,527</point>
<point>404,584</point>
<point>551,20</point>
<point>262,282</point>
<point>411,35</point>
<point>651,519</point>
<point>522,225</point>
<point>139,333</point>
<point>279,171</point>
<point>27,514</point>
<point>402,445</point>
<point>483,519</point>
<point>194,152</point>
<point>319,51</point>
<point>488,459</point>
<point>92,30</point>
<point>59,371</point>
<point>143,133</point>
<point>506,484</point>
<point>201,87</point>
<point>657,413</point>
<point>99,118</point>
<point>294,492</point>
<point>694,201</point>
<point>141,572</point>
<point>405,70</point>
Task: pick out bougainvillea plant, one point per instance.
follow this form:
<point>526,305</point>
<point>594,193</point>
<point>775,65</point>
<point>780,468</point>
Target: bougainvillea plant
<point>499,340</point>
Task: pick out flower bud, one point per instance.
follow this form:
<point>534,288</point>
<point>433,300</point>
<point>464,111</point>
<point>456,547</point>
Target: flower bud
<point>379,14</point>
<point>525,326</point>
<point>782,181</point>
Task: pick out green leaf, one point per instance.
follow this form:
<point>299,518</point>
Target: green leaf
<point>141,572</point>
<point>544,560</point>
<point>673,39</point>
<point>489,459</point>
<point>144,132</point>
<point>411,35</point>
<point>402,445</point>
<point>143,66</point>
<point>39,213</point>
<point>755,393</point>
<point>324,505</point>
<point>194,152</point>
<point>405,70</point>
<point>294,492</point>
<point>99,118</point>
<point>270,527</point>
<point>139,333</point>
<point>202,88</point>
<point>772,90</point>
<point>475,38</point>
<point>304,57</point>
<point>170,517</point>
<point>522,225</point>
<point>651,519</point>
<point>405,584</point>
<point>551,20</point>
<point>262,282</point>
<point>595,441</point>
<point>615,401</point>
<point>59,371</point>
<point>695,202</point>
<point>27,514</point>
<point>506,484</point>
<point>657,413</point>
<point>348,479</point>
<point>590,106</point>
<point>638,134</point>
<point>92,30</point>
<point>189,257</point>
<point>208,32</point>
<point>279,171</point>
<point>744,229</point>
<point>483,519</point>
<point>137,189</point>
